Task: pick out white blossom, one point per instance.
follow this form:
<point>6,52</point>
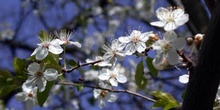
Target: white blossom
<point>135,41</point>
<point>170,19</point>
<point>113,76</point>
<point>114,51</point>
<point>166,48</point>
<point>64,38</point>
<point>184,78</point>
<point>28,95</point>
<point>91,75</point>
<point>103,95</point>
<point>38,77</point>
<point>48,44</point>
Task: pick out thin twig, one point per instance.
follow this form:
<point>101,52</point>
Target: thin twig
<point>110,90</point>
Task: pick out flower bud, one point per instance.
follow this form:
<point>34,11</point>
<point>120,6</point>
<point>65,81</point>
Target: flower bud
<point>198,39</point>
<point>189,41</point>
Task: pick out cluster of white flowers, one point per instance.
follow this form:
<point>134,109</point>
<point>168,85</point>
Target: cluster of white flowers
<point>109,75</point>
<point>38,73</point>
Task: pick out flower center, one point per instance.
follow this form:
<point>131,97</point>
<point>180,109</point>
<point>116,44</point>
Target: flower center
<point>30,95</point>
<point>112,75</point>
<point>39,74</point>
<point>103,93</point>
<point>135,39</point>
<point>46,44</point>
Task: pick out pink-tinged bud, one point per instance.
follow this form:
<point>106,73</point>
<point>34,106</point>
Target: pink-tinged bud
<point>198,39</point>
<point>153,37</point>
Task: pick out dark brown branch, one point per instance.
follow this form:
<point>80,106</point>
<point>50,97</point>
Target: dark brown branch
<point>203,83</point>
<point>110,90</point>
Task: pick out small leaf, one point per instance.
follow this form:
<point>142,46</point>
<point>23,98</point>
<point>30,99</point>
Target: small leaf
<point>4,73</point>
<point>164,100</point>
<point>72,63</point>
<point>42,96</point>
<point>79,87</point>
<point>52,59</point>
<point>19,65</point>
<point>140,80</point>
<point>150,66</point>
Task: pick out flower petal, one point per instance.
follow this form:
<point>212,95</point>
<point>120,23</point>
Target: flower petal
<point>76,44</point>
<point>140,47</point>
<point>33,67</point>
<point>172,57</point>
<point>170,26</point>
<point>21,96</point>
<point>104,76</point>
<point>158,23</point>
<point>111,97</point>
<point>125,39</point>
<point>145,36</point>
<point>162,13</point>
<point>41,53</point>
<point>178,43</point>
<point>121,78</point>
<point>41,84</point>
<point>96,93</point>
<point>182,19</point>
<point>101,102</point>
<point>113,81</point>
<point>169,36</point>
<point>130,49</point>
<point>50,74</point>
<point>55,48</point>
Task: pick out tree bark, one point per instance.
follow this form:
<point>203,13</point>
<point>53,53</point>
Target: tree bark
<point>204,80</point>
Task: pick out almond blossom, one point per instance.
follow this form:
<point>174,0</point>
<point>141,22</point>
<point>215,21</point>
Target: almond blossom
<point>64,38</point>
<point>28,95</point>
<point>104,95</point>
<point>113,76</point>
<point>38,77</point>
<point>48,44</point>
<point>166,49</point>
<point>113,51</point>
<point>135,41</point>
<point>102,63</point>
<point>170,18</point>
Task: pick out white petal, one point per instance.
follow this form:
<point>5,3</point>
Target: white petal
<point>135,33</point>
<point>169,36</point>
<point>184,78</point>
<point>130,49</point>
<point>126,39</point>
<point>159,58</point>
<point>121,78</point>
<point>35,50</point>
<point>41,53</point>
<point>51,74</point>
<point>55,49</point>
<point>111,97</point>
<point>172,57</point>
<point>60,42</point>
<point>76,44</point>
<point>182,20</point>
<point>177,13</point>
<point>140,47</point>
<point>162,13</point>
<point>96,93</point>
<point>104,76</point>
<point>21,96</point>
<point>178,43</point>
<point>101,102</point>
<point>30,104</point>
<point>107,56</point>
<point>33,67</point>
<point>170,26</point>
<point>113,82</point>
<point>145,36</point>
<point>41,84</point>
<point>158,23</point>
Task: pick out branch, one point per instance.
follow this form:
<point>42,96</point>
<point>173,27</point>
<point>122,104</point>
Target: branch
<point>109,90</point>
<point>79,65</point>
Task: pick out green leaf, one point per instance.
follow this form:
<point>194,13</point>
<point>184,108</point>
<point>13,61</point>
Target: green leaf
<point>72,63</point>
<point>7,89</point>
<point>4,73</point>
<point>19,65</point>
<point>140,80</point>
<point>52,59</point>
<point>164,100</point>
<point>79,87</point>
<point>42,96</point>
<point>150,66</point>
